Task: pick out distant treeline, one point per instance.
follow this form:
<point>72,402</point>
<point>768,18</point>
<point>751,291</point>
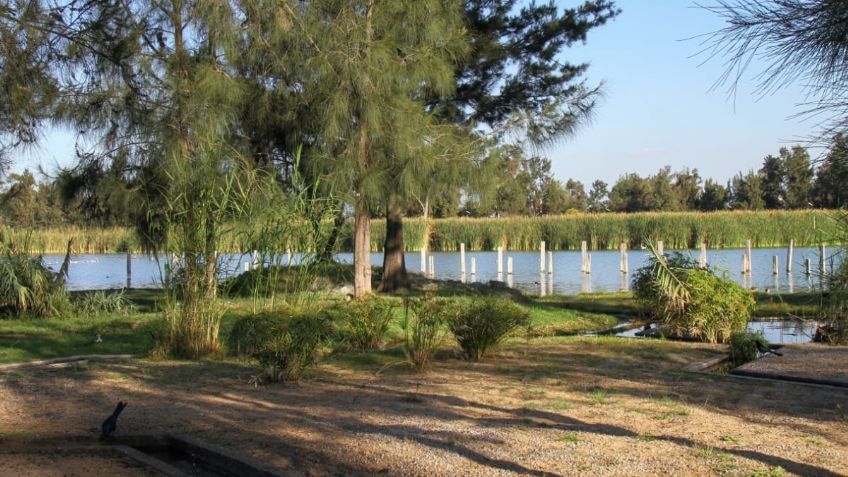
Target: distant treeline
<point>563,232</point>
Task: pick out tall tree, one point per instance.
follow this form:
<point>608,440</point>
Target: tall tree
<point>369,63</point>
<point>745,192</point>
<point>772,179</point>
<point>714,197</point>
<point>832,175</point>
<point>799,177</point>
<point>598,197</point>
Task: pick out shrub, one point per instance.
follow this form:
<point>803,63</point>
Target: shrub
<point>27,286</point>
<point>284,343</point>
<point>484,322</point>
<point>692,302</point>
<point>743,347</point>
<point>363,324</point>
<point>423,326</point>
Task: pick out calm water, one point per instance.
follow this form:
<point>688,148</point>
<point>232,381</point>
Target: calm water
<point>110,271</point>
<point>775,331</point>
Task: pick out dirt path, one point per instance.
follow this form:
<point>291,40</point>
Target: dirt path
<point>548,407</point>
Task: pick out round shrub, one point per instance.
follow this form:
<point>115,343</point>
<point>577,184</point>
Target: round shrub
<point>692,302</point>
<point>284,343</point>
<point>483,322</point>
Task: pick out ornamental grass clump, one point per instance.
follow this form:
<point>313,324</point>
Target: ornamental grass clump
<point>691,302</point>
<point>27,286</point>
<point>363,324</point>
<point>483,322</point>
<point>285,343</point>
<point>423,325</point>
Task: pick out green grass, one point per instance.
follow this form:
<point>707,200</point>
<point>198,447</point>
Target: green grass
<point>32,339</point>
<point>573,438</point>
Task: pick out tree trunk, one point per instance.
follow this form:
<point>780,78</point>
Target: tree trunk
<point>326,255</point>
<point>361,249</point>
<point>394,266</point>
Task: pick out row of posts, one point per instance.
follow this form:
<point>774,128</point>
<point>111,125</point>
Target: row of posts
<point>546,261</point>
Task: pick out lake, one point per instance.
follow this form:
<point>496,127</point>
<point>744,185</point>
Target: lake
<point>109,270</point>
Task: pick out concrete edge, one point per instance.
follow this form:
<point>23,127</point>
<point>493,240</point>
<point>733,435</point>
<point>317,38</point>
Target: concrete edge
<point>65,359</point>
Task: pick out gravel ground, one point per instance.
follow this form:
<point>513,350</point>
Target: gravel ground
<point>579,406</point>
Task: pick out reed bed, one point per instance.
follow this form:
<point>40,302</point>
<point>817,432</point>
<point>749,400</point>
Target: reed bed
<point>607,231</point>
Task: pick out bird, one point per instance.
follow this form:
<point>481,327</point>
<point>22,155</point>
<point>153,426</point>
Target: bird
<point>111,423</point>
<point>763,349</point>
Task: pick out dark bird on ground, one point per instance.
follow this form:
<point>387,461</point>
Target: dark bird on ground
<point>766,350</point>
<point>111,422</point>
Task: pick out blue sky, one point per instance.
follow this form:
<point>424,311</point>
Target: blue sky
<point>658,108</point>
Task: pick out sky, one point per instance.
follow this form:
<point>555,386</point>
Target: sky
<point>658,108</point>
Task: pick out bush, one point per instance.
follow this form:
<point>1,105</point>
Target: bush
<point>424,328</point>
<point>743,347</point>
<point>284,343</point>
<point>484,322</point>
<point>27,286</point>
<point>363,324</point>
<point>692,302</point>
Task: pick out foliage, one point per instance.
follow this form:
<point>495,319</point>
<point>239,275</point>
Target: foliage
<point>483,322</point>
<point>103,302</point>
<point>692,302</point>
<point>743,347</point>
<point>363,323</point>
<point>836,303</point>
<point>284,343</point>
<point>27,286</point>
<point>423,325</point>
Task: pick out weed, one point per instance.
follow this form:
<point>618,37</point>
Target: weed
<point>573,438</point>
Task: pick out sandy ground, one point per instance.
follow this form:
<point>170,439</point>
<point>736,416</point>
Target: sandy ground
<point>545,407</point>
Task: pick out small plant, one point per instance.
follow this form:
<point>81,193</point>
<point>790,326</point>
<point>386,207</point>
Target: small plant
<point>484,322</point>
<point>573,438</point>
<point>363,323</point>
<point>744,347</point>
<point>284,344</point>
<point>100,302</point>
<point>423,326</point>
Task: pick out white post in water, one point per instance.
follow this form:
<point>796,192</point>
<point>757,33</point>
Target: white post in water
<point>822,268</point>
<point>255,259</point>
<point>462,259</point>
<point>588,263</point>
<point>500,260</point>
<point>807,270</point>
<point>473,266</point>
<point>246,266</point>
<point>550,263</point>
<point>423,260</point>
<point>660,248</point>
<point>744,263</point>
<point>432,267</point>
<point>542,257</point>
<point>622,258</point>
<point>702,258</point>
<point>748,252</point>
<point>129,269</point>
<point>789,257</point>
<point>583,254</point>
<point>509,265</point>
<point>774,265</point>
